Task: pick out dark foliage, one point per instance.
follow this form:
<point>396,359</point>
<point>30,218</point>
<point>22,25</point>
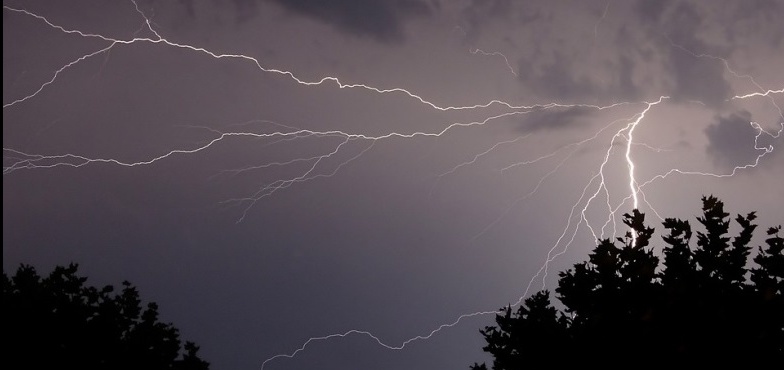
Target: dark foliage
<point>702,303</point>
<point>58,322</point>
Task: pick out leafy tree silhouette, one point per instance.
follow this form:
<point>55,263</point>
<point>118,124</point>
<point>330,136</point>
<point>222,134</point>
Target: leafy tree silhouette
<point>702,303</point>
<point>60,322</point>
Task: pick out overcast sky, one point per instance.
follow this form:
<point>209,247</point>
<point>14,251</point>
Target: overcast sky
<point>374,171</point>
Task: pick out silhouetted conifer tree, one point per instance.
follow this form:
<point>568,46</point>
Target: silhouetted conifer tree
<point>59,322</point>
<point>702,303</point>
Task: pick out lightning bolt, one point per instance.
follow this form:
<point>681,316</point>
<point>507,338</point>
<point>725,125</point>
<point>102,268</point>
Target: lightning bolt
<point>595,188</point>
<point>495,53</point>
<point>632,180</point>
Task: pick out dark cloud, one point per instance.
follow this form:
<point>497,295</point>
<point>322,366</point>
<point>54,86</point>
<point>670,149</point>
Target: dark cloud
<point>741,22</point>
<point>694,77</point>
<point>749,17</point>
<point>652,10</point>
<point>321,256</point>
<point>681,23</point>
<point>382,20</point>
<point>245,9</point>
<point>731,140</point>
<point>561,79</point>
<point>478,16</point>
<point>554,119</point>
<point>555,79</point>
<point>756,9</point>
<point>698,79</point>
<point>188,6</point>
<point>479,12</point>
<point>625,86</point>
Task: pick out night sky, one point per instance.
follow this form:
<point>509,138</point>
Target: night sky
<point>381,175</point>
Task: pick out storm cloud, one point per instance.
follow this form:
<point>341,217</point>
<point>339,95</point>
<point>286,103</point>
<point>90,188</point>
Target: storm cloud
<point>555,119</point>
<point>382,20</point>
<point>731,140</point>
<point>360,165</point>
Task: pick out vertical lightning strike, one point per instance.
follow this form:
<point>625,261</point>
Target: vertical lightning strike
<point>543,270</point>
<point>591,191</point>
<point>630,163</point>
<point>575,145</point>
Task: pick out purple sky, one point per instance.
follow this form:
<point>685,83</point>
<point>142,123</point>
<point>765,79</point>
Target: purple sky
<point>274,171</point>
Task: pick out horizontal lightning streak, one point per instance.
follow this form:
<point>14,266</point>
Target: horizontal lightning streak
<point>762,90</point>
<point>377,339</point>
<point>29,162</point>
<point>289,74</point>
<point>20,160</point>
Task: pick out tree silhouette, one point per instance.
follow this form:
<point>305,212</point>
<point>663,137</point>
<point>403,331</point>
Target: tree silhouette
<point>60,322</point>
<point>701,303</point>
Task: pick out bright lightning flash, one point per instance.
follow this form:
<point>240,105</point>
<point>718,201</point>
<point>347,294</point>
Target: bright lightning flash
<point>16,160</point>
